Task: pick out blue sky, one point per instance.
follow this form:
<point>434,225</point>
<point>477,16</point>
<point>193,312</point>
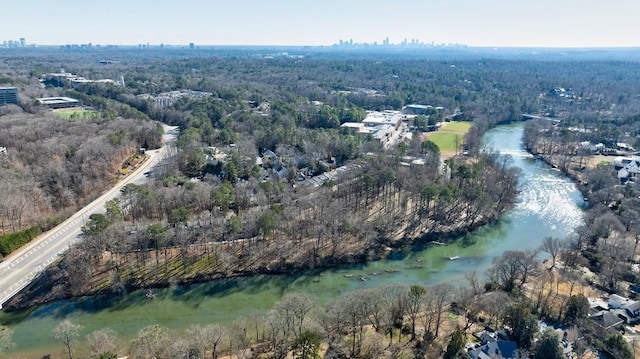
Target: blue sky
<point>540,23</point>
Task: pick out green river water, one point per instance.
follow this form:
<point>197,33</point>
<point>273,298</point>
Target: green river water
<point>548,205</point>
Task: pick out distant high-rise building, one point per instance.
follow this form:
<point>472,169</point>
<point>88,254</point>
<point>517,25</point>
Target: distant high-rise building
<point>8,95</point>
<point>192,45</point>
<point>23,42</point>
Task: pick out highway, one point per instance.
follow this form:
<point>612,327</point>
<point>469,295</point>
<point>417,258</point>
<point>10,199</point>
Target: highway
<point>22,266</point>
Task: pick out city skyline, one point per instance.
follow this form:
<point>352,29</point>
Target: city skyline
<point>491,23</point>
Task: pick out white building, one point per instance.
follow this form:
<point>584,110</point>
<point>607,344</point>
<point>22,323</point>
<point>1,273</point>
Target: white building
<point>375,118</point>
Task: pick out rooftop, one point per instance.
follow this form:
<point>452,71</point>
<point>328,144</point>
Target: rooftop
<point>382,118</point>
<point>56,100</point>
<point>423,107</point>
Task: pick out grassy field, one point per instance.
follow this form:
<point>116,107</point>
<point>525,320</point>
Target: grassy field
<point>450,136</point>
<point>446,141</point>
<point>457,126</point>
<point>69,113</point>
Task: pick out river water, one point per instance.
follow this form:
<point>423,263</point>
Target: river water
<point>548,205</point>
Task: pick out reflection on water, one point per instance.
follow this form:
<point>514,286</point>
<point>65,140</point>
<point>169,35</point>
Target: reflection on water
<point>546,195</point>
<point>548,205</point>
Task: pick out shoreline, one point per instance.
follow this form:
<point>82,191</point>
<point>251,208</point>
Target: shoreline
<point>572,175</point>
<point>27,300</point>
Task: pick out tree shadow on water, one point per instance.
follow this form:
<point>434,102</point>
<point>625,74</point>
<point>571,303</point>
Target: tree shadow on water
<point>195,294</point>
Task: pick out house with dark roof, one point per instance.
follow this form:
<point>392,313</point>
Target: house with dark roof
<point>608,320</point>
<point>498,349</point>
<point>494,347</point>
<point>632,311</point>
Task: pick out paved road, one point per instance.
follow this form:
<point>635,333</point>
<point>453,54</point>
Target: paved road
<point>21,267</point>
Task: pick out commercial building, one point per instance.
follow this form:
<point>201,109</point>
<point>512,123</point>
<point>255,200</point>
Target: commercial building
<point>59,102</point>
<point>375,118</point>
<point>382,126</point>
<point>8,95</point>
<point>64,78</point>
<point>415,109</point>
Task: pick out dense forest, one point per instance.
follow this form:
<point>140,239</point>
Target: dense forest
<point>236,195</point>
<point>53,166</point>
<point>286,114</point>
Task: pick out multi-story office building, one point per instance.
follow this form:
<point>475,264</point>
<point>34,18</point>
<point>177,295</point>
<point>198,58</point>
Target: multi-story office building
<point>8,95</point>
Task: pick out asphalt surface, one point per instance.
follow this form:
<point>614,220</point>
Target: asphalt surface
<point>21,267</point>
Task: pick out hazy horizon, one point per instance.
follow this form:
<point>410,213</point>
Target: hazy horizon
<point>491,23</point>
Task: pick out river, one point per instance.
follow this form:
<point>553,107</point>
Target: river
<point>549,205</point>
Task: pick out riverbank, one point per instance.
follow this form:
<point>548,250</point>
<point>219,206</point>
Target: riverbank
<point>385,205</point>
<point>52,285</point>
<point>548,205</point>
<point>555,161</point>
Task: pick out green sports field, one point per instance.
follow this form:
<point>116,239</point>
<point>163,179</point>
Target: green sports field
<point>450,136</point>
<point>446,141</point>
<point>71,113</point>
<point>457,126</point>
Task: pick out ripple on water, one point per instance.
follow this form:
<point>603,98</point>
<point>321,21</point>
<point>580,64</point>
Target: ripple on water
<point>546,197</point>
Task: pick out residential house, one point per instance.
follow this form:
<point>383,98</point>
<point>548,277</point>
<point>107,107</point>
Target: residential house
<point>622,146</point>
<point>493,347</point>
<point>616,302</point>
<point>627,167</point>
<point>269,156</point>
<point>280,171</point>
<point>593,148</point>
<point>498,349</point>
<point>608,320</point>
<point>632,311</point>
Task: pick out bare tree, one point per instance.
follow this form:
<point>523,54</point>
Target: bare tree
<point>293,308</point>
<point>349,316</point>
<point>494,304</point>
<point>333,322</point>
<point>373,345</point>
<point>179,349</point>
<point>394,301</point>
<point>553,246</point>
<point>441,295</point>
<point>207,337</point>
<point>152,342</point>
<point>277,334</point>
<point>102,341</point>
<point>415,299</point>
<point>68,333</point>
<point>240,338</point>
<point>373,306</point>
<point>512,268</point>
